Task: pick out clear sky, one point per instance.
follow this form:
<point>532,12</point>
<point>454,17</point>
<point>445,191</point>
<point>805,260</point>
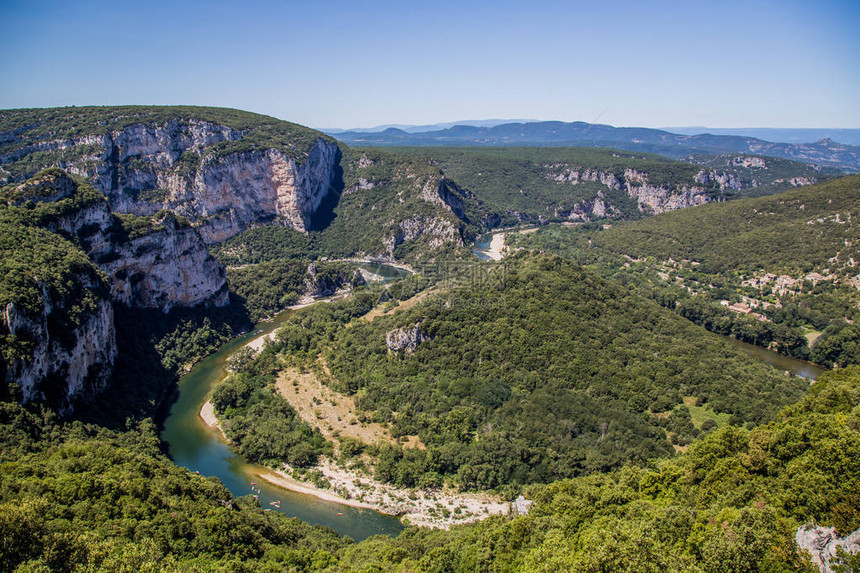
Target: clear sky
<point>333,63</point>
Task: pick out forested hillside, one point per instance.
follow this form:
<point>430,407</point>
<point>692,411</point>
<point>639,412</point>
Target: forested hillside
<point>537,184</point>
<point>802,230</point>
<point>731,503</point>
<point>78,498</point>
<point>777,270</point>
<point>390,206</point>
<point>540,371</point>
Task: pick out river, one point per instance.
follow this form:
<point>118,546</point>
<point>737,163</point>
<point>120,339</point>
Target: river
<point>482,245</point>
<point>779,361</point>
<point>196,446</point>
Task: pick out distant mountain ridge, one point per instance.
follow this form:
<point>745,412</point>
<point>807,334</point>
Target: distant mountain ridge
<point>777,134</point>
<point>825,152</point>
<point>411,128</point>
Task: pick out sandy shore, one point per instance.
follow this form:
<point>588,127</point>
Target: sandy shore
<point>284,480</point>
<point>257,344</point>
<point>438,508</point>
<point>497,250</point>
<point>497,243</point>
<point>207,414</point>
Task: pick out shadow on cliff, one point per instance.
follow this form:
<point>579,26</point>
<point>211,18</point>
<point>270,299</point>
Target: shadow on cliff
<point>154,349</point>
<point>325,213</point>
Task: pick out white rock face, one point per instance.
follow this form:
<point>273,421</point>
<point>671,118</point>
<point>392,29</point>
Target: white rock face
<point>230,193</point>
<point>167,268</point>
<point>822,544</point>
<point>145,168</point>
<point>405,339</point>
<point>59,372</point>
<point>438,232</point>
<point>752,162</point>
<point>656,199</point>
<point>437,191</point>
<point>650,198</point>
<point>726,181</point>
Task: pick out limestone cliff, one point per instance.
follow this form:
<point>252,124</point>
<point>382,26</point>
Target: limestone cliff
<point>152,262</point>
<point>739,175</point>
<point>66,364</point>
<point>165,266</point>
<point>327,283</point>
<point>67,258</point>
<point>395,206</point>
<point>223,180</point>
<point>434,232</point>
<point>650,197</point>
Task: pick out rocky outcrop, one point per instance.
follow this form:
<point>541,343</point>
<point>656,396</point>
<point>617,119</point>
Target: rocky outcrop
<point>650,198</point>
<point>822,544</point>
<point>441,192</point>
<point>726,181</point>
<point>167,266</point>
<point>405,339</point>
<point>326,284</point>
<point>658,199</point>
<point>574,176</point>
<point>187,166</point>
<point>597,208</point>
<point>69,360</point>
<point>750,162</point>
<point>797,181</point>
<point>436,231</point>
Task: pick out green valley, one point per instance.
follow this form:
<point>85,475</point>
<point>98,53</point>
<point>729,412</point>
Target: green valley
<point>578,371</point>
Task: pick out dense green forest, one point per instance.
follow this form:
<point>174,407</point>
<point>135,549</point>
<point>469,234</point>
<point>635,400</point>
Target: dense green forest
<point>731,503</point>
<point>76,497</point>
<point>266,288</point>
<point>539,371</point>
<point>761,253</point>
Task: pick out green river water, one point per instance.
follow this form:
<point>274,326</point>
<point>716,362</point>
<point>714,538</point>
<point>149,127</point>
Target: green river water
<point>194,445</point>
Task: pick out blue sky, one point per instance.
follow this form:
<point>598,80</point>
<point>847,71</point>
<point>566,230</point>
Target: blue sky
<point>348,64</point>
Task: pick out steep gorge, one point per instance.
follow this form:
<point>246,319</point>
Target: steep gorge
<point>67,261</point>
